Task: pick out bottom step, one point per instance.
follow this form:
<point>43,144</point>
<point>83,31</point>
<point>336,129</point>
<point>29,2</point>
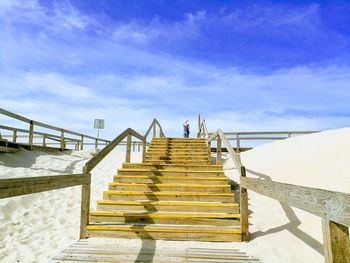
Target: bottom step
<point>166,232</point>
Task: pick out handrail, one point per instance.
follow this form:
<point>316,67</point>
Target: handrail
<point>31,131</point>
<point>153,125</point>
<point>333,207</point>
<point>94,161</point>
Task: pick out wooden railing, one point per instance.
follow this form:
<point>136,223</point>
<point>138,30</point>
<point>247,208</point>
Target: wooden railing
<point>93,162</point>
<point>29,185</point>
<point>333,207</point>
<point>62,140</point>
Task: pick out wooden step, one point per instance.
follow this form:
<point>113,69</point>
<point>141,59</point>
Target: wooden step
<point>186,154</point>
<point>166,232</point>
<point>173,218</point>
<point>175,150</point>
<point>177,162</point>
<point>180,139</point>
<point>116,186</point>
<point>173,147</point>
<point>131,178</point>
<point>166,172</point>
<point>168,196</point>
<point>178,157</point>
<point>167,206</point>
<point>172,166</point>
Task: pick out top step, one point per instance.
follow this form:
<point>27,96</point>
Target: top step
<point>178,139</point>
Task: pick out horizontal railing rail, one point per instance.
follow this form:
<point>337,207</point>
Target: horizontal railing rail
<point>79,142</point>
<point>333,207</point>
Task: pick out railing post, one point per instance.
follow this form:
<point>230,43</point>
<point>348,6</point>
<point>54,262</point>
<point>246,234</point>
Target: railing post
<point>85,207</point>
<point>218,150</point>
<point>154,130</point>
<point>96,145</point>
<point>244,209</point>
<point>144,151</point>
<point>128,149</point>
<point>62,140</point>
<point>44,140</point>
<point>209,150</point>
<point>336,243</point>
<point>82,142</point>
<point>14,139</point>
<point>31,134</point>
<point>199,125</point>
<point>238,143</point>
<point>133,146</point>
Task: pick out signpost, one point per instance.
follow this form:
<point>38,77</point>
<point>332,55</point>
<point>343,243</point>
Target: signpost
<point>98,124</point>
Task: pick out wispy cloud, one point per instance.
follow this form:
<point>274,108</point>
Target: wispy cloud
<point>121,71</point>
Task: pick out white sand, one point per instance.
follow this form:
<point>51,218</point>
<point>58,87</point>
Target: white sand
<point>280,233</point>
<point>35,227</point>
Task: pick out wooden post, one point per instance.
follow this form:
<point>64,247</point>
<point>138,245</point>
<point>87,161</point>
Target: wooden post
<point>144,151</point>
<point>128,149</point>
<point>44,140</point>
<point>31,134</point>
<point>14,139</point>
<point>209,150</point>
<point>133,146</point>
<point>199,124</point>
<point>138,147</point>
<point>62,140</point>
<point>96,144</point>
<point>154,130</point>
<point>85,208</point>
<point>218,150</point>
<point>82,142</point>
<point>244,209</point>
<point>238,143</point>
<point>336,242</point>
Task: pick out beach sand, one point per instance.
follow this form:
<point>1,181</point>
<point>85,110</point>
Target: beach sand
<point>36,227</point>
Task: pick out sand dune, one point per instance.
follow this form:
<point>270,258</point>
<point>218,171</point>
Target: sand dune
<point>35,227</point>
<point>280,233</point>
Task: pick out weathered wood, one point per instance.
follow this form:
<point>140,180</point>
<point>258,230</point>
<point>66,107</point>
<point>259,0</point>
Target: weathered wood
<point>31,130</point>
<point>128,149</point>
<point>331,205</point>
<point>85,208</point>
<point>244,208</point>
<point>14,138</point>
<point>29,185</point>
<point>154,130</point>
<point>144,151</point>
<point>62,143</point>
<point>106,150</point>
<point>137,135</point>
<point>336,242</point>
<point>82,142</point>
<point>229,148</point>
<point>199,126</point>
<point>96,144</point>
<point>218,150</point>
<point>8,149</point>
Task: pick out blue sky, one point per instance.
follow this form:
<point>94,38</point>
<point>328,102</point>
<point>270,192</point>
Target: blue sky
<point>244,65</point>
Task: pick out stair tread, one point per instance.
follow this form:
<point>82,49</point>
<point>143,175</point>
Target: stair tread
<point>164,214</point>
<point>171,177</point>
<point>166,228</point>
<point>168,170</point>
<point>171,185</point>
<point>171,203</point>
<point>166,193</point>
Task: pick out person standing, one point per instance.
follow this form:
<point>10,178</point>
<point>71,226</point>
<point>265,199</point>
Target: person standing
<point>186,125</point>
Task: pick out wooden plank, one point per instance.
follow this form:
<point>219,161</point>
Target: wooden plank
<point>244,208</point>
<point>128,149</point>
<point>8,149</point>
<point>29,185</point>
<point>31,129</point>
<point>331,205</point>
<point>103,153</point>
<point>230,150</point>
<point>336,242</point>
<point>62,143</point>
<point>85,208</point>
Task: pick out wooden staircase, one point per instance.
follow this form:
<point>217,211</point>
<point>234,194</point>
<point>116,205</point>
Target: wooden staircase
<point>176,194</point>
